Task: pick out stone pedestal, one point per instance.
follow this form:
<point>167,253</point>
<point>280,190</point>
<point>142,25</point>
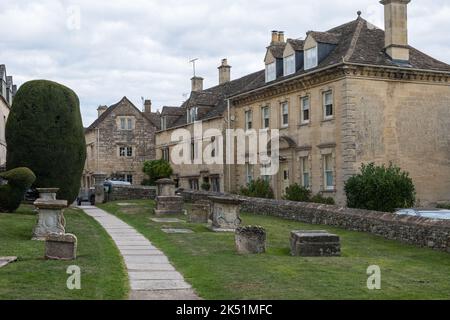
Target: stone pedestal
<point>225,213</point>
<point>99,187</point>
<point>315,244</point>
<point>61,247</point>
<point>167,203</point>
<point>199,212</point>
<point>50,218</point>
<point>250,240</point>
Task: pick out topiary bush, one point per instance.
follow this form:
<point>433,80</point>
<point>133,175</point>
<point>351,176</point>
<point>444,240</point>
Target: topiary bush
<point>11,194</point>
<point>157,169</point>
<point>45,133</point>
<point>259,188</point>
<point>380,188</point>
<point>297,193</point>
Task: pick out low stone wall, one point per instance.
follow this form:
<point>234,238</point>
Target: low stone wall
<point>121,193</point>
<point>417,231</point>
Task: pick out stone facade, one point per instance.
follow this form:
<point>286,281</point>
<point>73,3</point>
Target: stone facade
<point>421,232</point>
<point>119,142</point>
<point>7,93</point>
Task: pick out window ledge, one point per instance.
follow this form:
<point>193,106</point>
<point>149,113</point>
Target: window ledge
<point>329,191</point>
<point>305,124</point>
<point>328,120</point>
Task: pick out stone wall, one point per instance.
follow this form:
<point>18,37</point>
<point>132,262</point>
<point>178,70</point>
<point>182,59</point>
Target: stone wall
<point>121,193</point>
<point>421,232</point>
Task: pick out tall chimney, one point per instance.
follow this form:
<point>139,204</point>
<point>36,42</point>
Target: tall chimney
<point>197,84</point>
<point>101,109</point>
<point>148,106</point>
<point>274,37</point>
<point>224,72</point>
<point>396,28</point>
<point>280,36</point>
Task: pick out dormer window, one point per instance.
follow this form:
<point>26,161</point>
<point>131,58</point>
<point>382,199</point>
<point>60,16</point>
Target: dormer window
<point>271,72</point>
<point>289,65</point>
<point>192,114</point>
<point>311,60</point>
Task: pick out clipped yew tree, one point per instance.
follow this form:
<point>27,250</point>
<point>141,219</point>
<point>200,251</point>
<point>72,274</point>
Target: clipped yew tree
<point>44,132</point>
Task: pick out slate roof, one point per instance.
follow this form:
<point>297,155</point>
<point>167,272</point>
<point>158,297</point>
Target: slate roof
<point>277,50</point>
<point>296,44</point>
<point>359,41</point>
<point>215,98</point>
<point>2,71</point>
<point>154,118</point>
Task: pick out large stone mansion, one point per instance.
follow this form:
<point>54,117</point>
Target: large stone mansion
<point>350,95</point>
<point>7,92</point>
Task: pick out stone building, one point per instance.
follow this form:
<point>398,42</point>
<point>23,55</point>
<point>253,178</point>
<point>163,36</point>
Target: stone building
<point>350,95</point>
<point>7,93</point>
<point>209,107</point>
<point>120,141</point>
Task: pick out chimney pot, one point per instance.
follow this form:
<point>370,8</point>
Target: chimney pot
<point>224,72</point>
<point>274,37</point>
<point>281,36</point>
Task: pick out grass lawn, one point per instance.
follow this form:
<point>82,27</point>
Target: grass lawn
<point>102,271</point>
<point>209,262</point>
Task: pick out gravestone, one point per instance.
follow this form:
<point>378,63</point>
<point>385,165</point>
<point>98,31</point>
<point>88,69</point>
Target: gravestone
<point>225,213</point>
<point>99,187</point>
<point>6,260</point>
<point>50,217</point>
<point>199,212</point>
<point>250,240</point>
<point>318,243</point>
<point>61,247</point>
<point>167,202</point>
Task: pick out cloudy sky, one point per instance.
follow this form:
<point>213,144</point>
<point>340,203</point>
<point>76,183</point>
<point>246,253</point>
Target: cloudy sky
<point>107,49</point>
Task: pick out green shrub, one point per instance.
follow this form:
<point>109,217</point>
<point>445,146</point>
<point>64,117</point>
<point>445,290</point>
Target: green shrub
<point>319,198</point>
<point>206,186</point>
<point>45,133</point>
<point>259,188</point>
<point>298,193</point>
<point>11,194</point>
<point>157,169</point>
<point>380,188</point>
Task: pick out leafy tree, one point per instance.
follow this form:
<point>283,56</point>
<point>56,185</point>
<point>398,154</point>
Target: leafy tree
<point>380,188</point>
<point>298,193</point>
<point>157,169</point>
<point>45,133</point>
<point>319,198</point>
<point>11,194</point>
<point>259,188</point>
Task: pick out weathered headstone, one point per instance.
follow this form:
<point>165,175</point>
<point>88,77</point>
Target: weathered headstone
<point>225,213</point>
<point>317,243</point>
<point>250,240</point>
<point>99,187</point>
<point>6,260</point>
<point>199,212</point>
<point>61,247</point>
<point>50,217</point>
<point>167,203</point>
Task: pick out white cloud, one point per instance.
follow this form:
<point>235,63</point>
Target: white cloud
<point>141,48</point>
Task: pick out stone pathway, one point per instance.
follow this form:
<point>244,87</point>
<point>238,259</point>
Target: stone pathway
<point>151,275</point>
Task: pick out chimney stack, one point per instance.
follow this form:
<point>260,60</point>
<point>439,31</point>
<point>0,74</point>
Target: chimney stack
<point>280,36</point>
<point>274,37</point>
<point>224,72</point>
<point>197,84</point>
<point>101,110</point>
<point>148,106</point>
<point>396,28</point>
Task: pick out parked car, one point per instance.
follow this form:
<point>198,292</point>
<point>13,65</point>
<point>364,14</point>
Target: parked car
<point>86,195</point>
<point>31,195</point>
<point>437,214</point>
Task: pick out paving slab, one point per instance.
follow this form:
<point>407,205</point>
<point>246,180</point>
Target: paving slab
<point>167,220</point>
<point>151,275</point>
<point>177,231</point>
<point>6,260</point>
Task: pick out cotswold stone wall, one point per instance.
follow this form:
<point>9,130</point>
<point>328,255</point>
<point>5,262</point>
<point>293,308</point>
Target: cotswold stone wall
<point>417,231</point>
<point>119,193</point>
